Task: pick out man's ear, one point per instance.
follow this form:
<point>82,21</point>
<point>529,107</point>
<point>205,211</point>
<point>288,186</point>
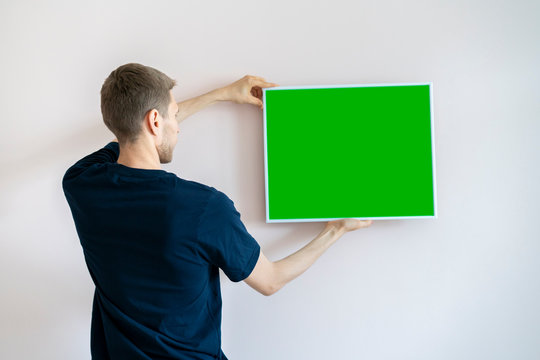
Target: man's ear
<point>153,122</point>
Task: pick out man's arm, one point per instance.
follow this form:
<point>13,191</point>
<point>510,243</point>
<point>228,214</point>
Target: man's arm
<point>191,106</point>
<point>268,277</point>
<point>247,90</point>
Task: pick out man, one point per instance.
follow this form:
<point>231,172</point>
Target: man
<point>153,242</point>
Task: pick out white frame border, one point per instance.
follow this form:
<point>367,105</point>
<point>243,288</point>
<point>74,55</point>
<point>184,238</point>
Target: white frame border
<point>292,87</point>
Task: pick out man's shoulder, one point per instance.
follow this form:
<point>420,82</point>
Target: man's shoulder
<point>203,191</point>
<point>192,185</point>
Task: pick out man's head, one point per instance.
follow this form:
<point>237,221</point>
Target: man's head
<point>137,105</point>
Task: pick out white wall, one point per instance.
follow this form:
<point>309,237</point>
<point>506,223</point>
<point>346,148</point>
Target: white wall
<point>463,286</point>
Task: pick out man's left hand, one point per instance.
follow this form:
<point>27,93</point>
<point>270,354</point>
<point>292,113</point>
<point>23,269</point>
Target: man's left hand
<point>247,90</point>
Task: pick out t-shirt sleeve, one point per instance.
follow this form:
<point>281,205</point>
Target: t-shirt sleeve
<point>109,153</point>
<point>224,240</point>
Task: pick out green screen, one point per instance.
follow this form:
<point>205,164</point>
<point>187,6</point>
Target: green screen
<point>353,151</point>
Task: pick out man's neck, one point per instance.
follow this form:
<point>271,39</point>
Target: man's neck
<point>140,155</point>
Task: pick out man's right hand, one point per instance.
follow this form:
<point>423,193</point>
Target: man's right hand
<point>346,225</point>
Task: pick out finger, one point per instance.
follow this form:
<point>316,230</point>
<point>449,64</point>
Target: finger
<point>264,84</point>
<point>256,91</point>
<point>261,81</point>
<point>362,223</point>
<point>255,101</point>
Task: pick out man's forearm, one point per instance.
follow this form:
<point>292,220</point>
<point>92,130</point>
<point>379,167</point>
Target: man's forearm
<point>295,264</point>
<point>191,106</point>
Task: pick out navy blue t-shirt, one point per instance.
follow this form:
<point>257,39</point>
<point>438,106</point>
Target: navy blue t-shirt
<point>153,244</point>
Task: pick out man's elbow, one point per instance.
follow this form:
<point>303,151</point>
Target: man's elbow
<point>264,277</point>
<point>268,292</point>
<point>265,289</point>
<point>271,289</point>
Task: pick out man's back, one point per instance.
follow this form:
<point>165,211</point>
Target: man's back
<point>153,244</point>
